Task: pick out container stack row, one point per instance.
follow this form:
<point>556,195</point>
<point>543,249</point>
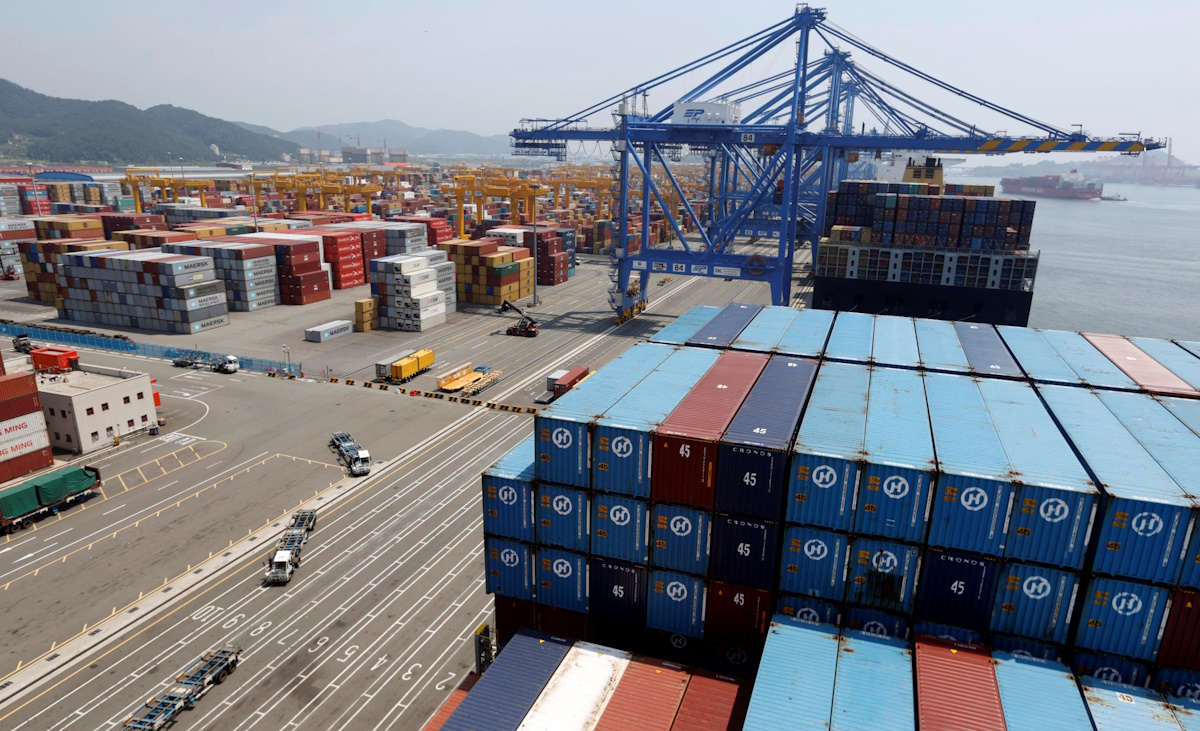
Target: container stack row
<point>24,441</point>
<point>10,200</point>
<point>405,288</point>
<point>247,269</point>
<point>488,272</point>
<point>302,280</point>
<point>12,235</point>
<point>342,251</point>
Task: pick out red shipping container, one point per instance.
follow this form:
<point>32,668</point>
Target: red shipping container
<point>1180,645</point>
<point>456,697</point>
<point>647,697</point>
<point>20,406</point>
<point>737,614</point>
<point>685,445</point>
<point>713,702</point>
<point>956,688</point>
<point>16,385</point>
<point>562,623</point>
<point>512,616</point>
<point>26,463</point>
<point>567,382</point>
<point>1140,367</point>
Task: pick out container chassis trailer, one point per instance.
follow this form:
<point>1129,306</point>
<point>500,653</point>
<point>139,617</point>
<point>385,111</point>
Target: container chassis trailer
<point>192,684</point>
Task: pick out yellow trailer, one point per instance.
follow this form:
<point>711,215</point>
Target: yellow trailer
<point>409,366</point>
<point>456,379</point>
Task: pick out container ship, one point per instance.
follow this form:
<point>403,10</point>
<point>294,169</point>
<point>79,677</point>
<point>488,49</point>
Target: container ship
<point>1072,186</point>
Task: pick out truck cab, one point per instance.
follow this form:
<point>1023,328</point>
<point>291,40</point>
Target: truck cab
<point>281,568</point>
<point>358,460</point>
<point>230,364</point>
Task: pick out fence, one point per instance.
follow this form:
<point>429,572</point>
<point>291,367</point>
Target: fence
<point>150,350</point>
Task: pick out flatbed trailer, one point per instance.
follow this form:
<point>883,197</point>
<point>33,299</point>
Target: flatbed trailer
<point>192,684</point>
<point>34,507</point>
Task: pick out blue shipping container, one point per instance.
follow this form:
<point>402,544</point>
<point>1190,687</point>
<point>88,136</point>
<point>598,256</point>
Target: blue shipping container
<point>620,528</point>
<point>1037,358</point>
<point>1179,683</point>
<point>807,334</point>
<point>851,338</point>
<point>1122,618</point>
<point>1144,527</point>
<point>814,563</point>
<point>685,326</point>
<point>1188,412</point>
<point>957,588</point>
<point>679,538</point>
<point>1172,357</point>
<point>882,575</point>
<point>765,330</point>
<point>744,550</point>
<point>1119,707</point>
<point>1026,648</point>
<point>1109,668</point>
<point>1037,695</point>
<point>885,667</point>
<point>562,517</point>
<point>974,495</point>
<point>876,622</point>
<point>617,591</point>
<point>1035,602</point>
<point>562,427</point>
<point>506,692</point>
<point>897,480</point>
<point>725,326</point>
<point>509,568</point>
<point>940,347</point>
<point>794,688</point>
<point>624,436</point>
<point>826,454</point>
<point>1192,347</point>
<point>948,632</point>
<point>808,609</point>
<point>894,342</point>
<point>985,351</point>
<point>1093,367</point>
<point>1056,500</point>
<point>752,462</point>
<point>676,603</point>
<point>562,579</point>
<point>508,494</point>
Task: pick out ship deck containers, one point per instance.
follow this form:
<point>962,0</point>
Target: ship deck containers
<point>508,494</point>
<point>562,579</point>
<point>744,550</point>
<point>1150,375</point>
<point>624,436</point>
<point>752,471</point>
<point>579,689</point>
<point>679,538</point>
<point>685,445</point>
<point>1146,514</point>
<point>898,475</point>
<point>509,568</point>
<point>974,492</point>
<point>813,563</point>
<point>1038,694</point>
<point>617,591</point>
<point>1122,618</point>
<point>1117,707</point>
<point>796,678</point>
<point>620,528</point>
<point>712,702</point>
<point>505,693</point>
<point>764,331</point>
<point>940,347</point>
<point>1055,501</point>
<point>873,690</point>
<point>1035,602</point>
<point>882,575</point>
<point>561,517</point>
<point>1180,646</point>
<point>562,428</point>
<point>807,335</point>
<point>647,697</point>
<point>1037,358</point>
<point>1174,358</point>
<point>1187,713</point>
<point>685,326</point>
<point>986,351</point>
<point>1188,412</point>
<point>676,603</point>
<point>1058,356</point>
<point>956,688</point>
<point>725,326</point>
<point>957,588</point>
<point>828,448</point>
<point>894,342</point>
<point>851,338</point>
<point>736,614</point>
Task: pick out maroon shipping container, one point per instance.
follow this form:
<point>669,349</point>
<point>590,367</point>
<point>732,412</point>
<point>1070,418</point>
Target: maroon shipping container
<point>563,622</point>
<point>26,463</point>
<point>20,406</point>
<point>16,385</point>
<point>737,614</point>
<point>647,698</point>
<point>1140,367</point>
<point>567,382</point>
<point>1181,639</point>
<point>685,445</point>
<point>956,688</point>
<point>713,702</point>
<point>512,616</point>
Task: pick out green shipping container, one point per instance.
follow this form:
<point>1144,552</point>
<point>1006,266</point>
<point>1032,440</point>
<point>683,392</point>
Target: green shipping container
<point>57,486</point>
<point>18,500</point>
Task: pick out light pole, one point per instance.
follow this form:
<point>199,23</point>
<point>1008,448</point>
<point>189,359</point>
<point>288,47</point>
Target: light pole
<point>535,188</point>
<point>288,352</point>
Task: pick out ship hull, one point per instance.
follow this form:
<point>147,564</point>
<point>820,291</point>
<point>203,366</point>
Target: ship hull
<point>1045,191</point>
<point>935,301</point>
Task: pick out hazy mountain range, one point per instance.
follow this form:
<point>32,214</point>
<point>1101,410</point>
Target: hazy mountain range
<point>393,133</point>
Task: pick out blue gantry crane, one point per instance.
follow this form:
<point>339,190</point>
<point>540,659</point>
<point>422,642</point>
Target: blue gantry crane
<point>774,148</point>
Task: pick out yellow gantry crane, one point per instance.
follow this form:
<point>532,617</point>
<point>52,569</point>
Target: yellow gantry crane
<point>478,190</point>
<point>137,178</point>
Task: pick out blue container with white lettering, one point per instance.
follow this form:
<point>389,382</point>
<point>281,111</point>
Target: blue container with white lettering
<point>1188,412</point>
<point>1026,648</point>
<point>876,622</point>
<point>882,575</point>
<point>679,538</point>
<point>814,563</point>
<point>808,609</point>
<point>620,528</point>
<point>676,603</point>
<point>562,517</point>
<point>509,568</point>
<point>1122,618</point>
<point>725,326</point>
<point>828,448</point>
<point>562,579</point>
<point>1110,668</point>
<point>1035,602</point>
<point>508,495</point>
<point>985,350</point>
<point>1179,683</point>
<point>624,437</point>
<point>685,326</point>
<point>894,342</point>
<point>1038,694</point>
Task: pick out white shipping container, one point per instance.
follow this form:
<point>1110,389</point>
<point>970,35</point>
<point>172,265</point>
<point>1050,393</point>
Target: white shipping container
<point>579,690</point>
<point>328,331</point>
<point>18,446</point>
<point>22,426</point>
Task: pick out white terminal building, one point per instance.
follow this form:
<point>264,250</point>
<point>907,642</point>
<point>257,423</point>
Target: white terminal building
<point>87,409</point>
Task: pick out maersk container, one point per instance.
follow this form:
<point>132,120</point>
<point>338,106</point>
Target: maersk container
<point>1178,683</point>
<point>956,688</point>
<point>562,427</point>
<point>1122,618</point>
<point>894,342</point>
<point>974,492</point>
<point>620,528</point>
<point>685,326</point>
<point>509,568</point>
<point>807,609</point>
<point>1146,515</point>
<point>795,683</point>
<point>765,330</point>
<point>1056,500</point>
<point>1109,668</point>
<point>562,579</point>
<point>1120,707</point>
<point>725,326</point>
<point>1092,367</point>
<point>617,591</point>
<point>828,449</point>
<point>752,463</point>
<point>679,538</point>
<point>814,563</point>
<point>850,340</point>
<point>685,445</point>
<point>1172,357</point>
<point>579,690</point>
<point>940,347</point>
<point>562,517</point>
<point>882,575</point>
<point>897,479</point>
<point>985,351</point>
<point>807,335</point>
<point>948,632</point>
<point>508,495</point>
<point>624,437</point>
<point>957,588</point>
<point>744,550</point>
<point>506,692</point>
<point>737,614</point>
<point>1038,695</point>
<point>873,690</point>
<point>676,603</point>
<point>876,622</point>
<point>1035,602</point>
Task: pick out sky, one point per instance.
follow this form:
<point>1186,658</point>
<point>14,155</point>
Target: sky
<point>482,66</point>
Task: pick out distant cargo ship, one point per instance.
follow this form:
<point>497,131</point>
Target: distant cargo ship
<point>1072,185</point>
